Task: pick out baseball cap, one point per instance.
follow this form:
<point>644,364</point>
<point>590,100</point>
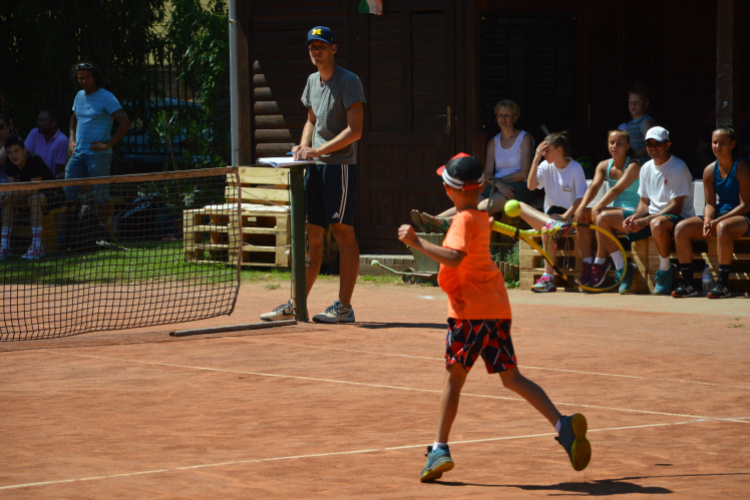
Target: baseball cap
<point>462,172</point>
<point>320,33</point>
<point>659,134</point>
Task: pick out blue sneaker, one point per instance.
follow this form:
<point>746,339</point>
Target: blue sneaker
<point>572,437</point>
<point>438,461</point>
<point>663,282</point>
<point>627,281</point>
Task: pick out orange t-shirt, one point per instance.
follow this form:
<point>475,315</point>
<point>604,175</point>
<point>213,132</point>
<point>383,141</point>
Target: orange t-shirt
<point>476,288</point>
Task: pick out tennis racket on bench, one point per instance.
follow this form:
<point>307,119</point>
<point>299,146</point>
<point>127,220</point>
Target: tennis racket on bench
<point>561,232</point>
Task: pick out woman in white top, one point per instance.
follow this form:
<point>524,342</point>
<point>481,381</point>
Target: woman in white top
<point>564,186</point>
<point>507,163</point>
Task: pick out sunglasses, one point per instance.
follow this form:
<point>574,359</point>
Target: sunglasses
<point>84,66</point>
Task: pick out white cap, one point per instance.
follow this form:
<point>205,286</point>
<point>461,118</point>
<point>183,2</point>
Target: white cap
<point>659,134</point>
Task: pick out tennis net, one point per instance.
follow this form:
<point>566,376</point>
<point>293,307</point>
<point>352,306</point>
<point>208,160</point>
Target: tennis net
<point>114,253</point>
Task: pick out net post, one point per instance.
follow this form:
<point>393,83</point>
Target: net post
<point>297,203</point>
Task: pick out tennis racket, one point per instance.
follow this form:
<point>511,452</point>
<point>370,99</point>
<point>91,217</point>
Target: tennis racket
<point>556,233</point>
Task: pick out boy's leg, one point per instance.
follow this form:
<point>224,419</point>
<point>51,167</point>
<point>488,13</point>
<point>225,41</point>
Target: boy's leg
<point>7,227</point>
<point>455,377</point>
<point>535,395</point>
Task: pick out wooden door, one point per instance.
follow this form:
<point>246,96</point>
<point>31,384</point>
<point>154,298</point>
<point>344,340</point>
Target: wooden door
<point>406,63</point>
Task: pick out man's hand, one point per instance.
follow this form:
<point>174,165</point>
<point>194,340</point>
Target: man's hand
<point>304,152</point>
<point>637,224</point>
<point>98,146</point>
<point>71,147</point>
<point>407,235</point>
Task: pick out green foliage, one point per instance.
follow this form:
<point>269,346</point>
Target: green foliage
<point>198,40</point>
<point>42,39</point>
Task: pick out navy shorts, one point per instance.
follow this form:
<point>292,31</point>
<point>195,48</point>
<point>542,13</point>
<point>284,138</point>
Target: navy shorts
<point>646,231</point>
<point>330,194</point>
<point>468,338</point>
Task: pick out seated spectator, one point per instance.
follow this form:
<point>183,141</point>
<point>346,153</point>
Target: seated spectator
<point>23,166</point>
<point>622,175</point>
<point>49,142</point>
<point>638,104</point>
<point>3,135</point>
<point>704,149</point>
<point>507,163</point>
<point>666,192</point>
<point>564,185</point>
<point>726,217</point>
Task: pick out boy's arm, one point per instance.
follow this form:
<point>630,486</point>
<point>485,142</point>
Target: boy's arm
<point>448,256</point>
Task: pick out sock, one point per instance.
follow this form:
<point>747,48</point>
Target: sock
<point>599,261</point>
<point>548,275</point>
<point>663,263</point>
<point>687,273</point>
<point>588,260</point>
<point>617,259</point>
<point>437,445</point>
<point>37,234</point>
<point>6,238</point>
<point>724,274</point>
<point>558,425</point>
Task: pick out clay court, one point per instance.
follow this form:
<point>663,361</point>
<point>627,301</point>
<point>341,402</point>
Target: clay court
<point>319,411</point>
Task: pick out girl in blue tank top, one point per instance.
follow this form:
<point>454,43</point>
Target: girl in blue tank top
<point>726,217</point>
<point>621,173</point>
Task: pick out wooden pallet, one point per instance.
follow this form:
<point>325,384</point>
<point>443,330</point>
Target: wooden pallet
<point>209,236</point>
<point>706,252</point>
<point>266,236</point>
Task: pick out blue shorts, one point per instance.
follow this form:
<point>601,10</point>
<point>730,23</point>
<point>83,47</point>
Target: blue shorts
<point>82,165</point>
<point>747,218</point>
<point>330,192</point>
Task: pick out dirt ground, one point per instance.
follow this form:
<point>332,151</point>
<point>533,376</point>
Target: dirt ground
<point>346,411</point>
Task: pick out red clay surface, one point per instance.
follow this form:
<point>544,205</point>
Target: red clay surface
<point>318,411</point>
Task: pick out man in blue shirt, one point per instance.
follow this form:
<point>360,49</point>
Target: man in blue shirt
<point>90,143</point>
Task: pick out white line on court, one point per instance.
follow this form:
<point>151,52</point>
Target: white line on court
<point>317,455</point>
<point>326,348</point>
<point>363,384</point>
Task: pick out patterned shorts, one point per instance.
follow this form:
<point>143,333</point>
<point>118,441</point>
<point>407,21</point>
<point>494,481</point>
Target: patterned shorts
<point>467,339</point>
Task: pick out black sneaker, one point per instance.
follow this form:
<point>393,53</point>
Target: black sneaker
<point>719,291</point>
<point>685,290</point>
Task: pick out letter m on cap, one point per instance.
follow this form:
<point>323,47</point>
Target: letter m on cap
<point>317,32</point>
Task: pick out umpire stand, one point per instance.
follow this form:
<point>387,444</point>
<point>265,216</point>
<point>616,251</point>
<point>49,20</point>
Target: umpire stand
<point>298,264</point>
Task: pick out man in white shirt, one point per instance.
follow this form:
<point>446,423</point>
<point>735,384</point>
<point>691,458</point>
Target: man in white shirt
<point>666,191</point>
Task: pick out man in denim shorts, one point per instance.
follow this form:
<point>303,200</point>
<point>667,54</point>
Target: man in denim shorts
<point>90,144</point>
<point>334,100</point>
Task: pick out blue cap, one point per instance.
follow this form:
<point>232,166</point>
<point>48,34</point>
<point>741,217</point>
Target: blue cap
<point>320,33</point>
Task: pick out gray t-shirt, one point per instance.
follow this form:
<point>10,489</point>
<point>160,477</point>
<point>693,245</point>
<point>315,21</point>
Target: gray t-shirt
<point>329,101</point>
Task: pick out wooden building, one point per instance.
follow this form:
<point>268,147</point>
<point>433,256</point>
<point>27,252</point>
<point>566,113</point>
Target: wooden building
<point>433,69</point>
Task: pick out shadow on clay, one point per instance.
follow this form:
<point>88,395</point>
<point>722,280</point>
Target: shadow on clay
<point>380,326</point>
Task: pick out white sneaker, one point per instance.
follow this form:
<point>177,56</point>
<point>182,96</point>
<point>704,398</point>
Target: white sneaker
<point>34,253</point>
<point>283,312</point>
<point>337,313</point>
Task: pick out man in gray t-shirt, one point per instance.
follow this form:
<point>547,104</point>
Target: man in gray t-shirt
<point>334,100</point>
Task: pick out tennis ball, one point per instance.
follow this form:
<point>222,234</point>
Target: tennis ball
<point>512,208</point>
<point>375,263</point>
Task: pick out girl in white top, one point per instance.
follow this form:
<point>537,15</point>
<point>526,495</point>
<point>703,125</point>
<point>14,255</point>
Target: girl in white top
<point>507,163</point>
<point>564,183</point>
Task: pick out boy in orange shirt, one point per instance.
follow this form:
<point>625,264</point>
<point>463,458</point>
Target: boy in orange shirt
<point>479,318</point>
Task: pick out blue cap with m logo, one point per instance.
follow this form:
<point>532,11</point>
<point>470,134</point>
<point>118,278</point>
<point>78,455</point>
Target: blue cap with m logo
<point>320,33</point>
